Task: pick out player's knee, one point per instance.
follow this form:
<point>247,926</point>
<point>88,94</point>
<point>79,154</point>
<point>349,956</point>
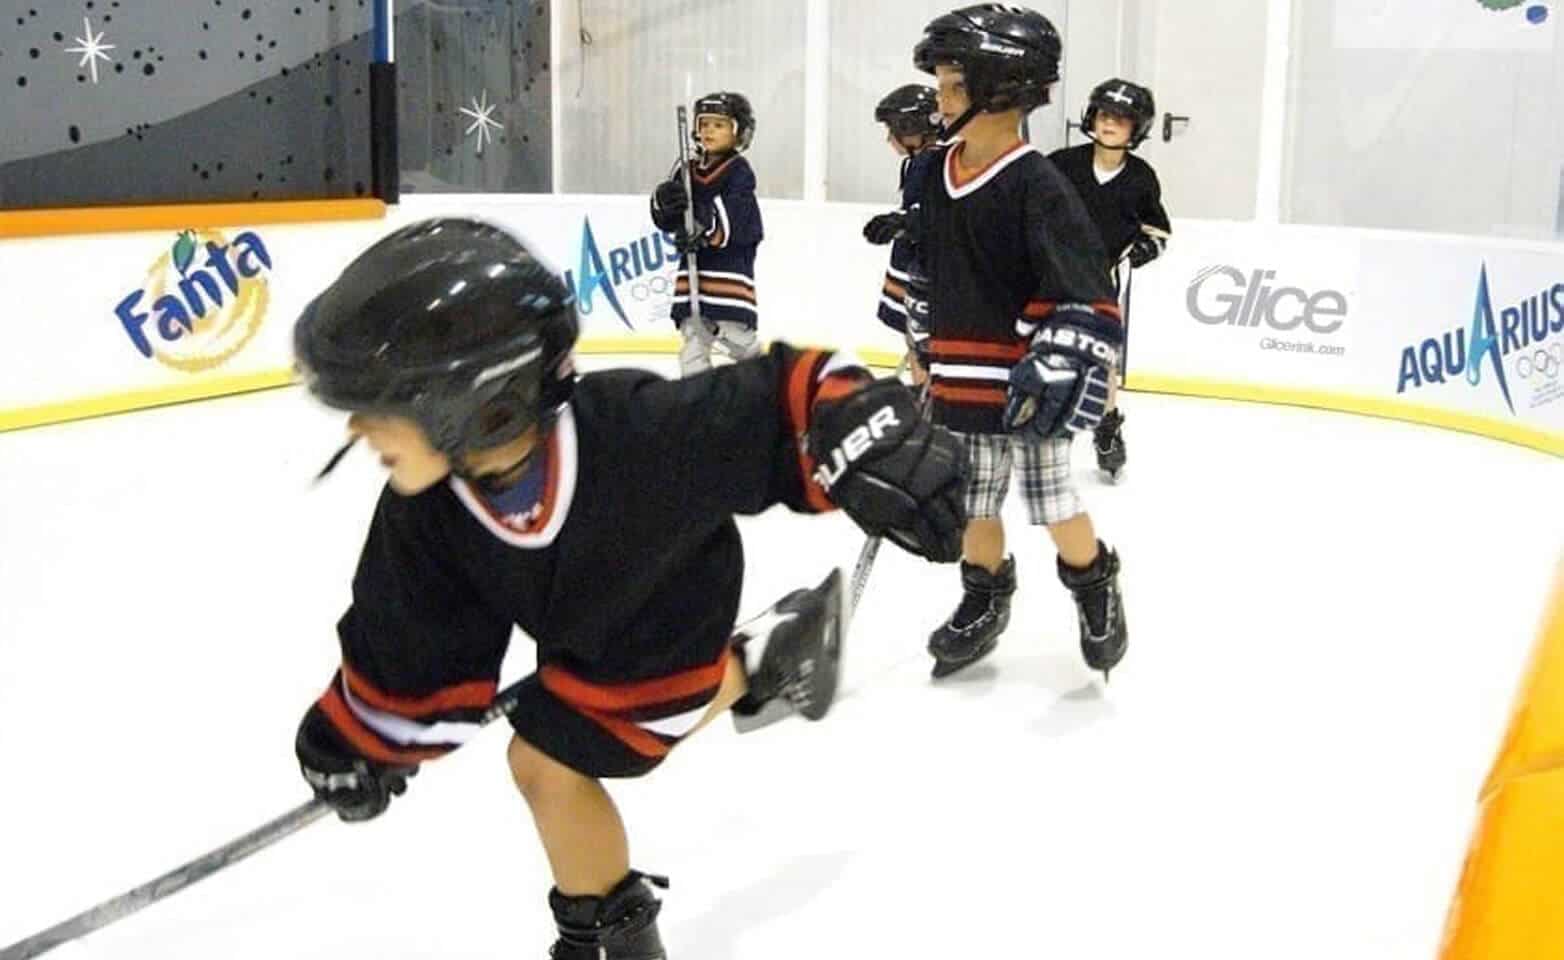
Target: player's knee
<point>536,774</point>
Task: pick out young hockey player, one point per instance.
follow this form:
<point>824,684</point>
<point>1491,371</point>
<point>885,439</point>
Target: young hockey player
<point>1021,324</point>
<point>727,231</point>
<point>911,117</point>
<point>597,515</point>
<point>1124,198</point>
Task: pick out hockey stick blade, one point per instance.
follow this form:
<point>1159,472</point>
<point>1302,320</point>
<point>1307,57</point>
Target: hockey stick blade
<point>196,870</point>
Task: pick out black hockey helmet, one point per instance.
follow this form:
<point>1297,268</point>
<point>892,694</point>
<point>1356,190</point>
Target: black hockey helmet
<point>727,104</point>
<point>1126,99</point>
<point>453,323</point>
<point>911,110</point>
<point>1009,56</point>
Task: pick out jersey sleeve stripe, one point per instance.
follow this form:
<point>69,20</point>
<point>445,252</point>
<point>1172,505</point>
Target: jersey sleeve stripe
<point>983,396</point>
<point>798,399</point>
<point>365,740</point>
<point>476,695</point>
<point>629,696</point>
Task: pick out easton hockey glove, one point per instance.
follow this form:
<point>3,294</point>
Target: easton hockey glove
<point>355,787</point>
<point>893,472</point>
<point>1060,388</point>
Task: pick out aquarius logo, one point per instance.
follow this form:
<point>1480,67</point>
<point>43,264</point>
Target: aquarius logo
<point>626,263</point>
<point>204,314</point>
<point>1465,349</point>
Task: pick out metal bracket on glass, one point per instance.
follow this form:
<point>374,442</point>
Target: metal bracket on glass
<point>1168,119</point>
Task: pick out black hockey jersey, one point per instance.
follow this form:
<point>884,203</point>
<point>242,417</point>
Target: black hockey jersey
<point>630,552</point>
<point>892,312</point>
<point>1002,249</point>
<point>729,215</point>
<point>1120,207</point>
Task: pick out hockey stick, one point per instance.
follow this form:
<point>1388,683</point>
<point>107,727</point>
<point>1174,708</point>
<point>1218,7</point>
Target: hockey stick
<point>871,546</point>
<point>200,868</point>
<point>689,213</point>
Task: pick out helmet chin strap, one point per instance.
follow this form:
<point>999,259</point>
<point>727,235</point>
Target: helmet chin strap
<point>961,121</point>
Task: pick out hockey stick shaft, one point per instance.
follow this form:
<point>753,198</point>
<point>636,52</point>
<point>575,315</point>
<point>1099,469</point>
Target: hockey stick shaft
<point>871,546</point>
<point>196,870</point>
<point>689,213</point>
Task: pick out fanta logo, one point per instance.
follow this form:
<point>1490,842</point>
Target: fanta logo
<point>201,301</point>
<point>645,254</point>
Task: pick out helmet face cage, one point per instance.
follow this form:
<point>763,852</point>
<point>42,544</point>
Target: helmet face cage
<point>1122,98</point>
<point>734,106</point>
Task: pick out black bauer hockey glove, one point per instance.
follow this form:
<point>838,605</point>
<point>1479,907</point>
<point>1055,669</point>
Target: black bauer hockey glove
<point>885,228</point>
<point>1060,388</point>
<point>897,475</point>
<point>355,787</point>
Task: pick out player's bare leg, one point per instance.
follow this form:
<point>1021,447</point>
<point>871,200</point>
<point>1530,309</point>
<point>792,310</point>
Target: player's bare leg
<point>577,821</point>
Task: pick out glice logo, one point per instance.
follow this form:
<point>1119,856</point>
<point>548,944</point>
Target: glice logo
<point>202,315</point>
<point>1465,350</point>
<point>1224,295</point>
<point>626,264</point>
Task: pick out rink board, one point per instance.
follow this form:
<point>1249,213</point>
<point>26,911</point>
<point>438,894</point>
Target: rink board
<point>1457,332</point>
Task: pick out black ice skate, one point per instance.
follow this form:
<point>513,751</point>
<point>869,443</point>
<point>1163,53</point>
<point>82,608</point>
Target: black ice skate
<point>973,630</point>
<point>792,655</point>
<point>1104,633</point>
<point>619,926</point>
<point>1108,441</point>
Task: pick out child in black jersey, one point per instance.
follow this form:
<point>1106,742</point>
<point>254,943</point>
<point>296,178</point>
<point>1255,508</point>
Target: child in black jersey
<point>913,127</point>
<point>595,513</point>
<point>728,230</point>
<point>1020,321</point>
<point>1124,198</point>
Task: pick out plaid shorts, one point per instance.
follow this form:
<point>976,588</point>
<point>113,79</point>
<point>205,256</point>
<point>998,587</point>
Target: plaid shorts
<point>1044,468</point>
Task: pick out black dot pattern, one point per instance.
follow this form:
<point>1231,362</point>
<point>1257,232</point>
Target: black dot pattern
<point>264,101</point>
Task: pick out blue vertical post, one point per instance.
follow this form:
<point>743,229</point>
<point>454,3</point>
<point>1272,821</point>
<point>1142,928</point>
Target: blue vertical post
<point>385,165</point>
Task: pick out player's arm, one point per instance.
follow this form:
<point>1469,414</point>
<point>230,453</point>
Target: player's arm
<point>420,662</point>
<point>813,430</point>
<point>1155,227</point>
<point>734,216</point>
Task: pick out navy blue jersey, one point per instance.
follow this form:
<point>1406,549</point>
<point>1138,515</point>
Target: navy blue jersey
<point>892,312</point>
<point>728,217</point>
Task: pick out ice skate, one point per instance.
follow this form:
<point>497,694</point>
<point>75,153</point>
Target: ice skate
<point>973,630</point>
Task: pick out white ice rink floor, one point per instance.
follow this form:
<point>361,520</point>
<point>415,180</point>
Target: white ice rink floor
<point>1328,614</point>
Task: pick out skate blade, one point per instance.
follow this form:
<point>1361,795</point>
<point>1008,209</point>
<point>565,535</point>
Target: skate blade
<point>944,668</point>
<point>767,715</point>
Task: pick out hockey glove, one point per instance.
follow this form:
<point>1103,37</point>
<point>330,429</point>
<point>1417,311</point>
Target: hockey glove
<point>886,227</point>
<point>671,198</point>
<point>1060,388</point>
<point>893,472</point>
<point>1146,248</point>
<point>355,787</point>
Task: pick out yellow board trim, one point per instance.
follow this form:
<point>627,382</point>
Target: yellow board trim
<point>54,222</point>
<point>1509,904</point>
<point>1533,438</point>
<point>123,402</point>
<point>1505,430</point>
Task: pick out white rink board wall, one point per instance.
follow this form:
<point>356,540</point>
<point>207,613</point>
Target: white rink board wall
<point>1468,330</point>
<point>1371,320</point>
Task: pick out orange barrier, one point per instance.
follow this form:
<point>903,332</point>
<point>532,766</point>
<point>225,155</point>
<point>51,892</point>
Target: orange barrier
<point>1510,902</point>
<point>181,216</point>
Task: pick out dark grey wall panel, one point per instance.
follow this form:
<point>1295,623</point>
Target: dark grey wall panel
<point>204,100</point>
